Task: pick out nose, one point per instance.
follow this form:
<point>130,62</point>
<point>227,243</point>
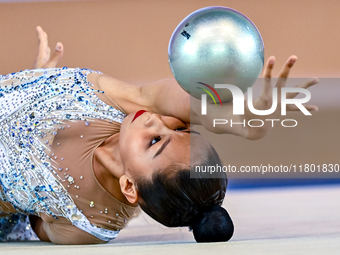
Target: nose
<point>154,119</point>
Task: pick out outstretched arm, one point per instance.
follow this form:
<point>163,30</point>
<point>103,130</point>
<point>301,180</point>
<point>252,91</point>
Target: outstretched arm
<point>168,98</point>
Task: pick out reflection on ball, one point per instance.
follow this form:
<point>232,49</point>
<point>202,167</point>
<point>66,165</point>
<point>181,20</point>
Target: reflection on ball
<point>216,45</point>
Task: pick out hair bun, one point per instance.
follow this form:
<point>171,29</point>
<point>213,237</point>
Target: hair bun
<point>213,225</point>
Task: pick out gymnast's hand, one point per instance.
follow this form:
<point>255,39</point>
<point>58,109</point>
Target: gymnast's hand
<point>264,101</point>
<point>44,59</point>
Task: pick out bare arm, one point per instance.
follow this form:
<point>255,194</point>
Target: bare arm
<point>166,97</point>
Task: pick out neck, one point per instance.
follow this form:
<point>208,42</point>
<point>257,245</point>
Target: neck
<point>107,157</point>
<point>107,166</point>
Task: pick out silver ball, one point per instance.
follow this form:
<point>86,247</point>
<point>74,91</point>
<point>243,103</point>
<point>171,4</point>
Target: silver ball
<point>216,45</point>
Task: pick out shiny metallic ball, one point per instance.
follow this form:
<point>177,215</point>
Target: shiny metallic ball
<point>216,45</point>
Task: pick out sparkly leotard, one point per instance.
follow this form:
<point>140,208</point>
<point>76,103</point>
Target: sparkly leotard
<point>51,122</point>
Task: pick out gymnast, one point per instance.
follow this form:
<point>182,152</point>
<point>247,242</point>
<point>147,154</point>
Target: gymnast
<point>81,153</point>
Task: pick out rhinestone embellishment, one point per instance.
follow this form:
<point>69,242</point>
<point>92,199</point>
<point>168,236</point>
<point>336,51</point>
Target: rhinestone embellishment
<point>34,107</point>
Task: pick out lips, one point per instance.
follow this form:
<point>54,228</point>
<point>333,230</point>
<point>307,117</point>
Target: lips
<point>139,113</point>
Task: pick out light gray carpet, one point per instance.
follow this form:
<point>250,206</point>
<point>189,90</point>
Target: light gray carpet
<point>268,221</point>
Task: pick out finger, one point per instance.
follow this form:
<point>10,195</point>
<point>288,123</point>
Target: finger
<point>304,85</point>
<point>267,87</point>
<point>282,80</point>
<point>269,67</point>
<point>56,57</point>
<point>309,107</point>
<point>287,66</point>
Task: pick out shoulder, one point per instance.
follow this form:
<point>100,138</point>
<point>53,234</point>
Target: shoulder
<point>60,231</point>
<point>66,233</point>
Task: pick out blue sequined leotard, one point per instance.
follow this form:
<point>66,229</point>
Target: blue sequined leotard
<point>34,104</point>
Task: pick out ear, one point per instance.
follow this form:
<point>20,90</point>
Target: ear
<point>128,189</point>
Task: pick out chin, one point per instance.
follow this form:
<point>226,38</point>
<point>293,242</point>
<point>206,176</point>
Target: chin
<point>127,119</point>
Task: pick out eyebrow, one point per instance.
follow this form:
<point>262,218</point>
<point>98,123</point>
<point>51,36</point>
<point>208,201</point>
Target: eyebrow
<point>162,148</point>
<point>168,141</point>
<point>191,131</point>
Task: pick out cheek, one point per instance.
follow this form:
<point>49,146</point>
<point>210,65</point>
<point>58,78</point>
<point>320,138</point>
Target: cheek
<point>136,166</point>
<point>124,126</point>
<point>131,149</point>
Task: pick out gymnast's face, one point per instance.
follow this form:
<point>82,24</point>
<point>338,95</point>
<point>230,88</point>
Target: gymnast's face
<point>151,142</point>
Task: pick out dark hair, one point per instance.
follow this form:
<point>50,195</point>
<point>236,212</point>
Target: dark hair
<point>174,199</point>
